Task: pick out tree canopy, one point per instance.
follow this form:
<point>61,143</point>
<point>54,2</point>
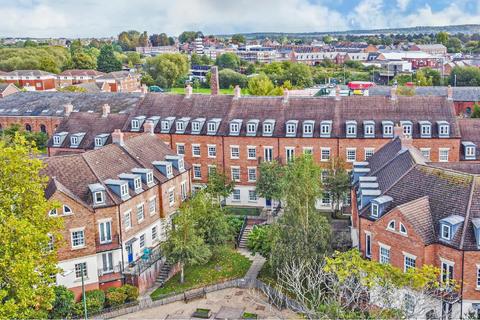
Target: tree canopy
<point>107,62</point>
<point>167,69</point>
<point>228,60</point>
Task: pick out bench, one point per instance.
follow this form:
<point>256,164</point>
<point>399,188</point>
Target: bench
<point>188,296</point>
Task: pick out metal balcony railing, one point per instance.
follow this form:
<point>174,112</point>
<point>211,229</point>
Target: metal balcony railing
<point>149,257</point>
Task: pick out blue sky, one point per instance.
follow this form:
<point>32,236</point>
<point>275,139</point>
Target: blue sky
<point>85,18</point>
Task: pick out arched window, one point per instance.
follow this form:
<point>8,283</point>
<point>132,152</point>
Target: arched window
<point>391,225</point>
<point>67,210</point>
<point>28,127</point>
<point>43,128</point>
<point>403,230</point>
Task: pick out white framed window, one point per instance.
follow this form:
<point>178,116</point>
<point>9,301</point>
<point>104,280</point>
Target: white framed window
<point>180,125</point>
<point>127,219</point>
<point>74,140</point>
<point>325,129</point>
<point>142,241</point>
<point>98,197</point>
<point>325,154</point>
<point>375,210</point>
<point>478,276</point>
<point>403,229</point>
<point>81,269</point>
<point>165,125</point>
<point>236,195</point>
<point>234,128</point>
<point>149,177</point>
<point>53,213</point>
<point>326,199</point>
<point>351,130</point>
<point>444,130</point>
<point>107,262</point>
<point>469,151</point>
<point>388,130</point>
<point>251,128</point>
<point>369,130</point>
<point>197,171</point>
<point>267,128</point>
<point>169,170</point>
<point>124,189</point>
<point>407,129</point>
<point>183,190</point>
<point>307,129</point>
<point>252,195</point>
<point>234,152</point>
<point>105,231</point>
<point>443,154</point>
<point>291,128</point>
<point>181,164</point>
<point>384,254</point>
<point>252,153</point>
<point>98,142</point>
<point>252,174</point>
<point>152,205</point>
<point>181,148</point>
<point>426,130</point>
<point>446,232</point>
<point>195,150</point>
<point>446,271</point>
<point>409,262</point>
<point>235,174</point>
<point>137,182</point>
<point>368,153</point>
<point>391,225</point>
<point>154,233</point>
<point>140,213</point>
<point>56,140</point>
<point>368,245</point>
<point>195,126</point>
<point>51,242</point>
<point>308,150</point>
<point>78,238</point>
<point>67,210</point>
<point>351,154</point>
<point>425,153</point>
<point>289,153</point>
<point>212,127</point>
<point>212,150</point>
<point>268,153</point>
<point>171,196</point>
<point>135,124</point>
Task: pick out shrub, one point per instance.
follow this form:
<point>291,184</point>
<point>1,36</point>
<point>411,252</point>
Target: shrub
<point>259,240</point>
<point>95,302</point>
<point>235,223</point>
<point>115,297</point>
<point>63,304</point>
<point>131,292</point>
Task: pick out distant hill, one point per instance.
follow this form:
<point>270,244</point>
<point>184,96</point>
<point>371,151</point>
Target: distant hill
<point>465,28</point>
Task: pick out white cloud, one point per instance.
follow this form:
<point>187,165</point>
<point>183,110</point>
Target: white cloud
<point>403,4</point>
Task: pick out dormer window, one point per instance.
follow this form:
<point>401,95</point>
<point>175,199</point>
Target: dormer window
<point>169,170</point>
<point>235,126</point>
<point>252,128</point>
<point>369,129</point>
<point>470,150</point>
<point>180,126</point>
<point>387,129</point>
<point>74,140</point>
<point>326,129</point>
<point>291,128</point>
<point>149,177</point>
<point>98,142</point>
<point>124,190</point>
<point>212,126</point>
<point>446,232</point>
<point>308,128</point>
<point>351,129</point>
<point>135,124</point>
<point>195,126</point>
<point>56,140</point>
<point>137,182</point>
<point>268,127</point>
<point>407,127</point>
<point>375,210</point>
<point>443,129</point>
<point>165,125</point>
<point>181,165</point>
<point>98,197</point>
<point>425,129</point>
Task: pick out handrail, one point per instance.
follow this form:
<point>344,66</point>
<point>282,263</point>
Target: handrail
<point>141,264</point>
<point>240,234</point>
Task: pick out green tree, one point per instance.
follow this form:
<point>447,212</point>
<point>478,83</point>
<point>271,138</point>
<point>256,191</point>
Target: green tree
<point>184,245</point>
<point>147,80</point>
<point>168,68</point>
<point>454,45</point>
<point>238,39</point>
<point>442,37</point>
<point>261,85</point>
<point>270,180</point>
<point>83,60</point>
<point>250,69</point>
<point>27,263</point>
<point>188,36</point>
<point>327,39</point>
<point>159,40</point>
<point>219,186</point>
<point>37,138</point>
<point>299,75</point>
<point>476,111</point>
<point>421,79</point>
<point>200,60</point>
<point>337,183</point>
<point>106,60</point>
<point>63,304</point>
<point>129,40</point>
<point>133,58</point>
<point>465,76</point>
<point>228,60</point>
<point>228,78</point>
<point>259,240</point>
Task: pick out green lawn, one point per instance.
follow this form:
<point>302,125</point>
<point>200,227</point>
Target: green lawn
<point>203,91</point>
<point>226,263</point>
<point>244,211</point>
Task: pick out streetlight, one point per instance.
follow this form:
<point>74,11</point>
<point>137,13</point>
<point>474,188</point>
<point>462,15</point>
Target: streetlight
<point>68,272</point>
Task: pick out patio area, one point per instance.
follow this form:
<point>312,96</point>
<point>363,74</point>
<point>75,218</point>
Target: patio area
<point>221,303</point>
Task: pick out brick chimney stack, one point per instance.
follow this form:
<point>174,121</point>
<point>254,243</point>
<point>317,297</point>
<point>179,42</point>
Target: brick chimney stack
<point>449,93</point>
<point>237,92</point>
<point>393,93</point>
<point>67,109</point>
<point>398,131</point>
<point>286,95</point>
<point>117,137</point>
<point>188,91</point>
<point>214,85</point>
<point>105,110</point>
<point>148,127</point>
<point>337,93</point>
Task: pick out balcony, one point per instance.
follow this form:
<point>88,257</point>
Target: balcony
<point>110,275</point>
<point>150,256</point>
<point>108,245</point>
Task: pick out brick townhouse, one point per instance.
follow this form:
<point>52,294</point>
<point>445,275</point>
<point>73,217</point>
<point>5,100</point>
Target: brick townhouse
<point>43,111</point>
<point>116,203</point>
<point>409,212</point>
<point>234,134</point>
<point>77,76</point>
<point>32,80</point>
<point>121,81</point>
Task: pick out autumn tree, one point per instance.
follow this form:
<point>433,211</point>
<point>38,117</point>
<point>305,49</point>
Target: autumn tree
<point>27,263</point>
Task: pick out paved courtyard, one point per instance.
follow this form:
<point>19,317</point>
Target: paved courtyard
<point>247,300</point>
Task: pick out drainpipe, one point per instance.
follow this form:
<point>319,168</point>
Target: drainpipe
<point>461,285</point>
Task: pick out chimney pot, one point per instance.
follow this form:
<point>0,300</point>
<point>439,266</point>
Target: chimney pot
<point>188,91</point>
<point>449,93</point>
<point>398,131</point>
<point>237,92</point>
<point>117,137</point>
<point>214,85</point>
<point>67,109</point>
<point>286,95</point>
<point>148,127</point>
<point>105,110</point>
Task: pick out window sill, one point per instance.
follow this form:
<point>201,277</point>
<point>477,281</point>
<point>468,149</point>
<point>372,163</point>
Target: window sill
<point>79,247</point>
<point>106,242</point>
<point>80,279</point>
<point>196,178</point>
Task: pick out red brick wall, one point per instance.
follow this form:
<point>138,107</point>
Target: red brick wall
<point>50,123</point>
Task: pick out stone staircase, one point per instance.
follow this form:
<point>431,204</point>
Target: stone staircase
<point>163,275</point>
<point>246,232</point>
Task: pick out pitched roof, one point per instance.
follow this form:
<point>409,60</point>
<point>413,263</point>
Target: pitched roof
<point>115,75</point>
<point>471,94</point>
<point>30,73</point>
<point>52,103</point>
<point>417,213</point>
<point>72,174</point>
<point>80,72</point>
<point>92,124</point>
<point>470,131</point>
